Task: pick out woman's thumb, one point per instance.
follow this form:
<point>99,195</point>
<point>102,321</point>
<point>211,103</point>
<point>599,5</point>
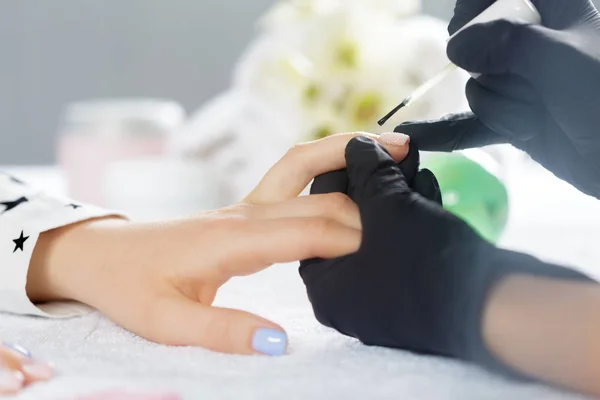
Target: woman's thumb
<point>183,322</point>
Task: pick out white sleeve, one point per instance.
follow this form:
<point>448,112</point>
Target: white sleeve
<point>25,213</point>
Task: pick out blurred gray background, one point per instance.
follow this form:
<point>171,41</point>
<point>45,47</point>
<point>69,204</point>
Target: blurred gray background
<point>55,52</point>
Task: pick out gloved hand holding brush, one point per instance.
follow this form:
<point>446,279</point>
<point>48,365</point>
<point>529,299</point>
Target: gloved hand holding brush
<point>538,89</point>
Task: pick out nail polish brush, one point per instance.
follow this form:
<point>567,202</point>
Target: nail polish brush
<point>521,10</point>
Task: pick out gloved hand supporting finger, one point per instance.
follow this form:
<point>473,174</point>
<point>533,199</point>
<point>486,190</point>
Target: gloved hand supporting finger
<point>337,181</point>
<point>331,182</point>
<point>426,185</point>
<point>372,171</point>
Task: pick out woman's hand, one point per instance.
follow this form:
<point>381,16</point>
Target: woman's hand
<point>159,280</point>
<point>18,369</point>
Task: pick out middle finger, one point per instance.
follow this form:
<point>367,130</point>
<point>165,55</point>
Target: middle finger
<point>335,206</point>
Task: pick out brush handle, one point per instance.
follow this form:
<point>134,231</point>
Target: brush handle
<point>430,84</point>
<point>519,10</point>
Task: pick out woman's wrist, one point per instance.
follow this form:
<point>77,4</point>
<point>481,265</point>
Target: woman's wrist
<point>68,259</point>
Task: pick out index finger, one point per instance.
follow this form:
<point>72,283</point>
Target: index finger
<point>452,132</point>
<point>262,243</point>
<point>302,163</point>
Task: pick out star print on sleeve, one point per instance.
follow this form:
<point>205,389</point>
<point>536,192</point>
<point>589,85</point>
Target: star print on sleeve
<point>19,242</point>
<point>13,179</point>
<point>9,205</point>
<point>25,213</point>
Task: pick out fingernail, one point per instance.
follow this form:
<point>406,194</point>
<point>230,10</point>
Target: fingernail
<point>269,341</point>
<point>10,381</point>
<point>18,349</point>
<point>38,371</point>
<point>394,139</point>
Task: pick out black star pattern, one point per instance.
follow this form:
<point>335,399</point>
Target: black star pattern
<point>20,242</point>
<point>9,205</point>
<point>15,180</point>
<point>75,206</point>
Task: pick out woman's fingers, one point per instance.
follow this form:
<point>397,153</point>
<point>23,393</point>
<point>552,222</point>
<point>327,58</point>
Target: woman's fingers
<point>288,177</point>
<point>12,379</point>
<point>335,206</point>
<point>36,371</point>
<point>259,243</point>
<point>18,369</point>
<point>180,321</point>
<point>253,245</point>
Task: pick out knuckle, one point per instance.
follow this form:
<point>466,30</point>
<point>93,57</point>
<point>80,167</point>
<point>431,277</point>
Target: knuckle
<point>297,156</point>
<point>321,226</point>
<point>295,151</point>
<point>336,203</point>
<point>231,223</point>
<point>238,210</point>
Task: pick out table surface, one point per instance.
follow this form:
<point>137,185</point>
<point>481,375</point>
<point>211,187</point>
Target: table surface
<point>557,223</point>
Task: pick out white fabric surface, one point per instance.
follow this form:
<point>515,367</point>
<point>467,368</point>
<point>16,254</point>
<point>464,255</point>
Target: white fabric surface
<point>92,353</point>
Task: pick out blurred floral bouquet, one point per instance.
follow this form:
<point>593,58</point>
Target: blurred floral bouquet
<point>319,67</point>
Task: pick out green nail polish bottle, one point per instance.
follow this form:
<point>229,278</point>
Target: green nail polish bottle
<point>471,191</point>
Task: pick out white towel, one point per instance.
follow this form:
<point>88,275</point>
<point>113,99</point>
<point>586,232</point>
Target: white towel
<point>92,354</point>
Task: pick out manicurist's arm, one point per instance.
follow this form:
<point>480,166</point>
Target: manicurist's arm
<point>548,329</point>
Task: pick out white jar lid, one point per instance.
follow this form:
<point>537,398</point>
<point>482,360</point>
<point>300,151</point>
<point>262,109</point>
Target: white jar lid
<point>159,187</point>
<point>153,114</point>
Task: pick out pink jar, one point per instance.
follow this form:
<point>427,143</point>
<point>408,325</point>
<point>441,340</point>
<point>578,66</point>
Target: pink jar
<point>94,134</point>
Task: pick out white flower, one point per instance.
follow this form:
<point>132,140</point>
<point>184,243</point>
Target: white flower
<point>396,7</point>
<point>273,69</point>
<point>293,12</point>
<point>320,67</point>
<point>343,66</point>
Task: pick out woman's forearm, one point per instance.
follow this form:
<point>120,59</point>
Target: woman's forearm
<point>548,329</point>
<point>65,256</point>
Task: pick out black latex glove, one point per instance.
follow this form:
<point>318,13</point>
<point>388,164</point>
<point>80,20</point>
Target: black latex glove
<point>539,89</point>
<point>421,277</point>
<point>420,181</point>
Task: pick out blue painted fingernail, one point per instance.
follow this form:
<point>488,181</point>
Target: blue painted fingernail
<point>269,341</point>
<point>18,349</point>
